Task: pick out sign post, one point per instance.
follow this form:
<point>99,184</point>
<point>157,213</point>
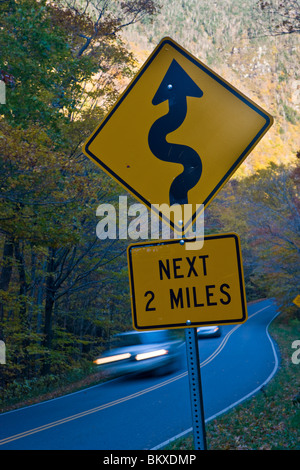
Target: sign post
<point>174,288</point>
<point>197,408</point>
<point>174,137</point>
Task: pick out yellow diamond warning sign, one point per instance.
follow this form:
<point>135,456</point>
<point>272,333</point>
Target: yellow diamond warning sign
<point>177,133</point>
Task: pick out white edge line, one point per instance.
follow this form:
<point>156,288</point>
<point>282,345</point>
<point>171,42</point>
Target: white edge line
<point>225,410</point>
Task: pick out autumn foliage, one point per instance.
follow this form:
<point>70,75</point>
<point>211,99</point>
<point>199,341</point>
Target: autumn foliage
<point>63,292</point>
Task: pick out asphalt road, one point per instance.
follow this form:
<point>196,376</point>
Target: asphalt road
<point>146,413</point>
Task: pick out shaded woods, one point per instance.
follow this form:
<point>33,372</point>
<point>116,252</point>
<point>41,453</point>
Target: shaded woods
<point>62,291</point>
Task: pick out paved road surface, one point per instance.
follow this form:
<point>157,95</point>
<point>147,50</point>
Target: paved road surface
<point>145,413</point>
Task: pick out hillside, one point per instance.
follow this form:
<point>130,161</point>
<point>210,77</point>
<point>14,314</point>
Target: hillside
<point>232,37</point>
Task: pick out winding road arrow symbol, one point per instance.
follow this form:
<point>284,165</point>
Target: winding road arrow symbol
<point>175,87</point>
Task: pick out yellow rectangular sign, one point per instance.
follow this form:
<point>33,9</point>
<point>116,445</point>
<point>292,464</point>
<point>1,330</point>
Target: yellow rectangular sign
<point>172,287</point>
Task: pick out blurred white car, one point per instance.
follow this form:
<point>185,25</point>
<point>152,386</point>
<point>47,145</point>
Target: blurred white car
<point>158,352</point>
<point>208,331</point>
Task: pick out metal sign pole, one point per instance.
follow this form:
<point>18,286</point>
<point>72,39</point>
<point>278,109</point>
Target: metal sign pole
<point>193,362</point>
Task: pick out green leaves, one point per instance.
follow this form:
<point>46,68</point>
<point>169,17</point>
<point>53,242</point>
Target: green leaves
<point>37,52</point>
<point>59,294</point>
<point>264,210</point>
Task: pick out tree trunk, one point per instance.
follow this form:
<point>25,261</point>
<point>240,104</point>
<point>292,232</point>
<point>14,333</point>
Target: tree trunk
<point>49,304</point>
<point>6,272</point>
<point>23,284</point>
<point>23,312</point>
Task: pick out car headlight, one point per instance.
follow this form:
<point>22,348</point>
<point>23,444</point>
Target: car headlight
<point>149,355</point>
<point>109,359</point>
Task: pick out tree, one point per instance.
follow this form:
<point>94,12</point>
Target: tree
<point>284,16</point>
<point>54,49</point>
<point>264,209</point>
<point>58,55</point>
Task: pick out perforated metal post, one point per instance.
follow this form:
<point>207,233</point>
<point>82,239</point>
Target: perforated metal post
<point>193,362</point>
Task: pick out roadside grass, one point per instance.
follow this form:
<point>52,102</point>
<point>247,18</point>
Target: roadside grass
<point>270,420</point>
<point>30,392</point>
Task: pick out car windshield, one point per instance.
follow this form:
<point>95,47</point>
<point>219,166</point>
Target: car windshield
<point>132,339</point>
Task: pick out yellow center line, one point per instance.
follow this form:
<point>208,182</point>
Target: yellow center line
<point>226,338</point>
<point>88,412</point>
<point>124,399</point>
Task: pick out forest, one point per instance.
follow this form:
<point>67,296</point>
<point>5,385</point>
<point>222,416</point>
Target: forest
<point>63,291</point>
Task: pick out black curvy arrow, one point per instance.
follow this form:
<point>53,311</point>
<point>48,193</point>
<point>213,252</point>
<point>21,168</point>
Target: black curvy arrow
<point>175,87</point>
